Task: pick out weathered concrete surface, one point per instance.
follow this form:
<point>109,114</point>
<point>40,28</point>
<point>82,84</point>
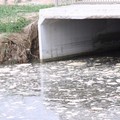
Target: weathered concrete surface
<point>81,11</point>
<point>72,29</point>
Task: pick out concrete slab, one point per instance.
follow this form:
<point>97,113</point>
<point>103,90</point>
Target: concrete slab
<point>71,30</point>
<point>82,11</point>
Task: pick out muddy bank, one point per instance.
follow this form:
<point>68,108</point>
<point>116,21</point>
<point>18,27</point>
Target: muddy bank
<point>20,47</point>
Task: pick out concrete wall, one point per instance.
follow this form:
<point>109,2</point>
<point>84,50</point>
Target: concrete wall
<point>62,37</point>
<point>68,37</point>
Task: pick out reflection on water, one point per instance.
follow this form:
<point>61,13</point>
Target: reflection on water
<point>80,89</point>
<point>24,108</point>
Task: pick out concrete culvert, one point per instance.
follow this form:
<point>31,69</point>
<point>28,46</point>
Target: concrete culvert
<point>78,29</point>
<point>71,37</point>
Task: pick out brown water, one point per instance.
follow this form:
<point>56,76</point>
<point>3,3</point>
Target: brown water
<point>80,89</point>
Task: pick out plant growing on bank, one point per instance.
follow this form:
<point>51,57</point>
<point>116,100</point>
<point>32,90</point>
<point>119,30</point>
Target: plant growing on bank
<point>11,16</point>
<point>13,26</point>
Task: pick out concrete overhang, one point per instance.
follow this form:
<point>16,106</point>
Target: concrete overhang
<point>81,11</point>
<point>63,30</point>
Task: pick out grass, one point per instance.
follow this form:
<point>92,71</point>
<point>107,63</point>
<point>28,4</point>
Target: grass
<point>12,26</point>
<point>11,19</point>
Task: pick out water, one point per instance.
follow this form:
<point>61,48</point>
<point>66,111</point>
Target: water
<point>80,89</point>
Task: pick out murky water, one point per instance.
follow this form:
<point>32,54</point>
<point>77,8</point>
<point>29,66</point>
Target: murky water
<point>80,89</point>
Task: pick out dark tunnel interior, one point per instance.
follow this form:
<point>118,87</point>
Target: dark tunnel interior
<point>107,42</point>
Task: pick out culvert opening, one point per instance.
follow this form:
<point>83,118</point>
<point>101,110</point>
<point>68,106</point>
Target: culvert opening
<point>107,42</point>
<point>68,37</point>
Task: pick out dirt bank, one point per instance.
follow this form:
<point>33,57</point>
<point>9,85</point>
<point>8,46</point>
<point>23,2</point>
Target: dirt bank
<point>20,47</point>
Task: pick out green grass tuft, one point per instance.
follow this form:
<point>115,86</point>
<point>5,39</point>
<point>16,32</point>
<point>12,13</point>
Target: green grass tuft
<point>10,18</point>
<point>13,26</point>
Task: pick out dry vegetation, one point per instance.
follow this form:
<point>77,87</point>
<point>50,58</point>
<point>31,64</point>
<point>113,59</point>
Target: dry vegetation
<point>20,47</point>
<point>19,34</point>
